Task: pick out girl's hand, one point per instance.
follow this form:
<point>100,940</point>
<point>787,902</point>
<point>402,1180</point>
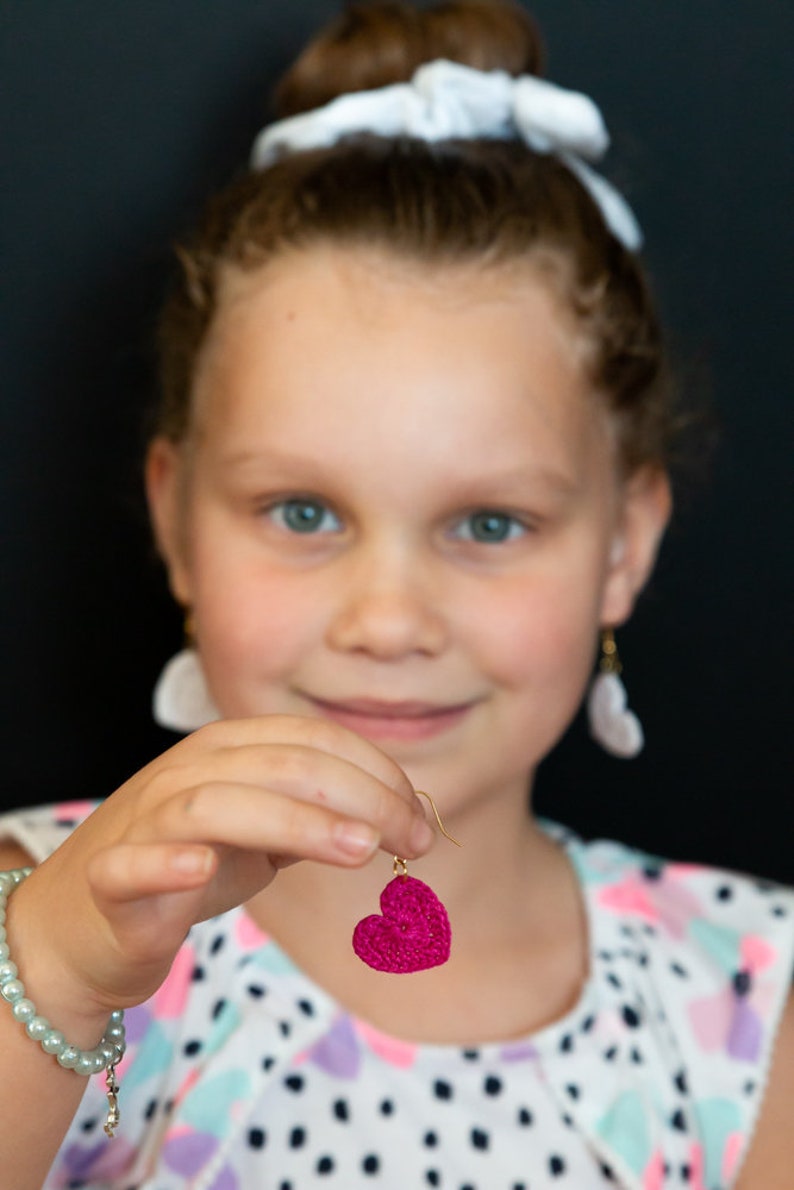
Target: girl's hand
<point>200,830</point>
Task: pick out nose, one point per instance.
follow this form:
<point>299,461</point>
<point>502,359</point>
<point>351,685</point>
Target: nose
<point>390,608</point>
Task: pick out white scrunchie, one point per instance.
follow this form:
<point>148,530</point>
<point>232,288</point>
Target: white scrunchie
<point>449,101</point>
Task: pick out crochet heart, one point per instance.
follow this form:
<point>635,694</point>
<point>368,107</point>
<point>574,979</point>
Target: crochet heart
<point>412,935</point>
<point>611,722</point>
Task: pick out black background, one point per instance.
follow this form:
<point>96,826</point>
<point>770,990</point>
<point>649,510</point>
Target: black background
<point>116,120</point>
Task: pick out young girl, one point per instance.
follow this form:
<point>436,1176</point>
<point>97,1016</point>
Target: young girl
<point>410,469</point>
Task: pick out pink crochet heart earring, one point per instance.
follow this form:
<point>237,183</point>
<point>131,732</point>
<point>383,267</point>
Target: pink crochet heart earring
<point>412,932</point>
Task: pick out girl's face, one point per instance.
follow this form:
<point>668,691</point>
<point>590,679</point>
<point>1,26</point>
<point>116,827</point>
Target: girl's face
<point>399,508</point>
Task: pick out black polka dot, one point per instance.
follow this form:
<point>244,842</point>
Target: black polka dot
<point>471,1055</point>
<point>198,974</point>
<point>681,1082</point>
<point>524,1117</point>
<point>342,1110</point>
<point>636,1056</point>
<point>680,971</point>
<point>724,893</point>
<point>678,1121</point>
<point>191,1048</point>
<point>556,1166</point>
<point>430,1140</point>
<point>442,1089</point>
<point>611,1053</point>
<point>268,1063</point>
<point>256,991</point>
<point>284,1028</point>
<point>780,911</point>
<point>492,1085</point>
<point>567,1121</point>
<point>256,1138</point>
<point>519,1186</point>
<point>607,1173</point>
<point>588,1023</point>
<point>566,1045</point>
<point>151,1108</point>
<point>653,871</point>
<point>217,943</point>
<point>433,1177</point>
<point>686,1173</point>
<point>297,1138</point>
<point>742,983</point>
<point>748,1087</point>
<point>294,1083</point>
<point>306,1007</point>
<point>218,1008</point>
<point>613,979</point>
<point>325,1165</point>
<point>572,1090</point>
<point>386,1108</point>
<point>371,1164</point>
<point>285,1186</point>
<point>89,1125</point>
<point>479,1139</point>
<point>630,1016</point>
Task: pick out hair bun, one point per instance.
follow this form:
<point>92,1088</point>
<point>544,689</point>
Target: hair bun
<point>379,42</point>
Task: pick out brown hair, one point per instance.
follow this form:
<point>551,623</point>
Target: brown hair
<point>495,202</point>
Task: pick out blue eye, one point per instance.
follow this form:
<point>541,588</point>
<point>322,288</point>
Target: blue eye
<point>305,516</point>
<point>487,527</point>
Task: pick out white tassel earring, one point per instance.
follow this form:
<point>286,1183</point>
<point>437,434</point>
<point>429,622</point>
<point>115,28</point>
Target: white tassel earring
<point>181,700</point>
<point>616,728</point>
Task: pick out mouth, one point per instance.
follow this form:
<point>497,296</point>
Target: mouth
<point>400,720</point>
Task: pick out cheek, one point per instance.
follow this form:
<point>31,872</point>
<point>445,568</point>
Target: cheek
<point>250,622</point>
<point>542,631</point>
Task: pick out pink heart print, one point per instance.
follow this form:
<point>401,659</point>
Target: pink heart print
<point>412,935</point>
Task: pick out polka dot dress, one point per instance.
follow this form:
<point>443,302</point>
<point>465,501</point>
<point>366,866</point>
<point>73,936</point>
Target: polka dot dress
<point>241,1073</point>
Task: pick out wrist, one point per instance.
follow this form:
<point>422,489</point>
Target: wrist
<point>105,1055</point>
<point>68,1007</point>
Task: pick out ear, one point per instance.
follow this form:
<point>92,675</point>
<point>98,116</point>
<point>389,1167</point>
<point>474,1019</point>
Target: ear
<point>646,507</point>
<point>165,492</point>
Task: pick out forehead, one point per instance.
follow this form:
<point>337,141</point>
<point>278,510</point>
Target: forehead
<point>381,278</point>
<point>344,338</point>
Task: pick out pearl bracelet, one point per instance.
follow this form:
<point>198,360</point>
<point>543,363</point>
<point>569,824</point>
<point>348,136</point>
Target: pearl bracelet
<point>105,1056</point>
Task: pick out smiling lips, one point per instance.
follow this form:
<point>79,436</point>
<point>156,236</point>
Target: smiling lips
<point>393,720</point>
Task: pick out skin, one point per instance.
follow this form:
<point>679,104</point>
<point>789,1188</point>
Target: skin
<point>469,532</point>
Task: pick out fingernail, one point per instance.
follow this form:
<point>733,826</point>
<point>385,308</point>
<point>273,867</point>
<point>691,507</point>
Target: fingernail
<point>355,838</point>
<point>195,862</point>
<point>421,835</point>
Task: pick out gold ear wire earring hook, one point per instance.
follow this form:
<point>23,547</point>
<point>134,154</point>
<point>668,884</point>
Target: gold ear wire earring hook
<point>441,827</point>
<point>400,866</point>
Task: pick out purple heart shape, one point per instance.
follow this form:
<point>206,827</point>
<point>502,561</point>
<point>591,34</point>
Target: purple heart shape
<point>412,935</point>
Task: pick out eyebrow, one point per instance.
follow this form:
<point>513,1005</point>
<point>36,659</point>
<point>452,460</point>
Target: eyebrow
<point>468,486</point>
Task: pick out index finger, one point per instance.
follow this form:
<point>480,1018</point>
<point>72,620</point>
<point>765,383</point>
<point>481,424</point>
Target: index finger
<point>306,731</point>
